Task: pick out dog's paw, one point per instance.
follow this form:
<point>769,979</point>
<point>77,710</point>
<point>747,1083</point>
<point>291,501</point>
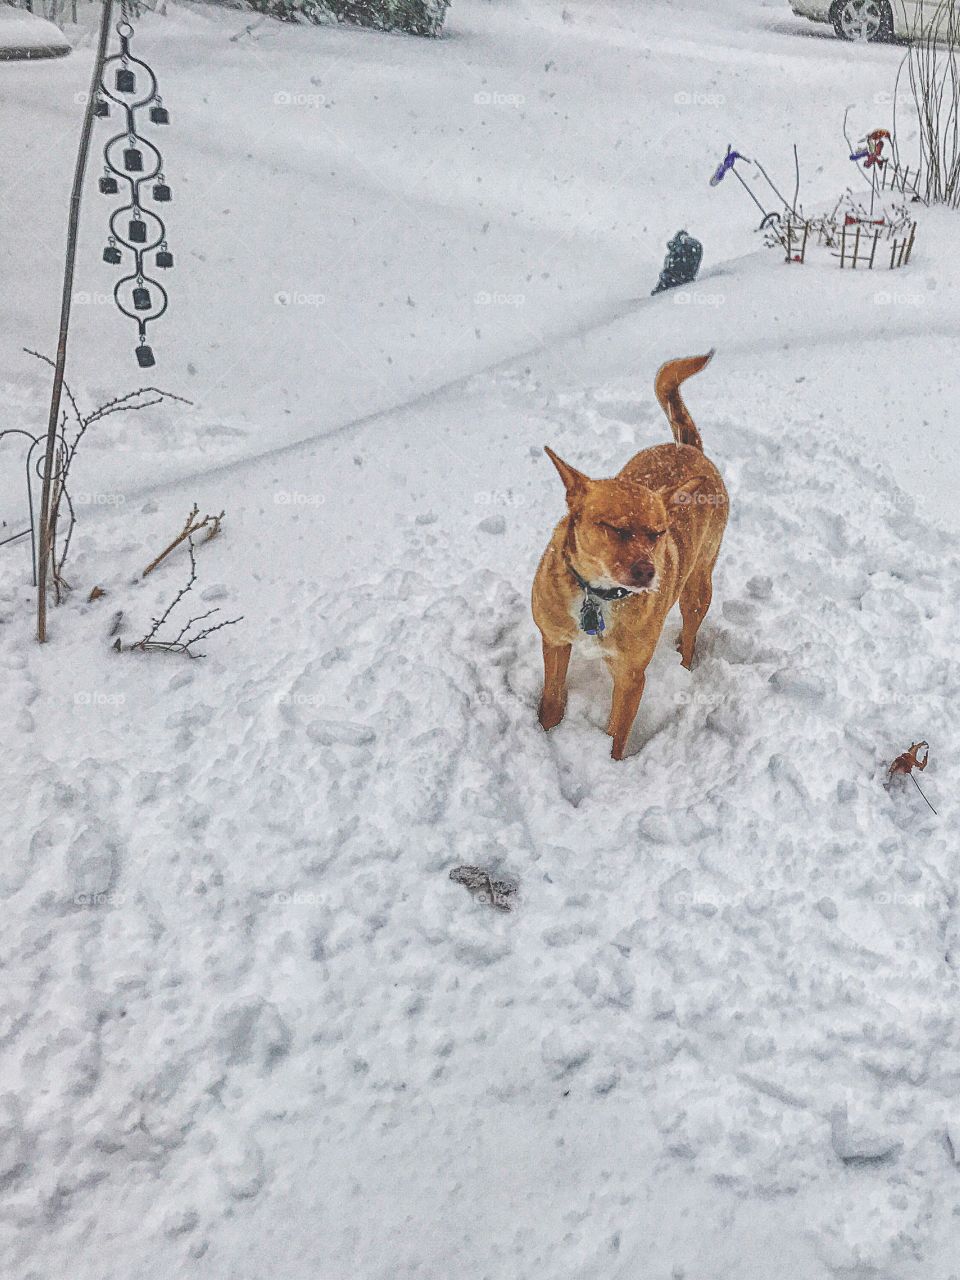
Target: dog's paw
<point>550,717</point>
<point>683,661</point>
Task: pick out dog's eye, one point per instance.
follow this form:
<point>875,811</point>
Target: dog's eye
<point>623,534</point>
<point>655,534</point>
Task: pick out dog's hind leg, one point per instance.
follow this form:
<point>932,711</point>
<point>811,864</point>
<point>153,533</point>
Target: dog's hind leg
<point>556,659</point>
<point>695,600</point>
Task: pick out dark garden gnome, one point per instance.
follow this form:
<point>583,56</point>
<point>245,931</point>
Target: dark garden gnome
<point>682,262</point>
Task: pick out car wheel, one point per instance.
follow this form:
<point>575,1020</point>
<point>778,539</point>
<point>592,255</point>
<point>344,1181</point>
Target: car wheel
<point>864,20</point>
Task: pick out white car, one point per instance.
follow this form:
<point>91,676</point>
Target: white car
<point>24,35</point>
<point>876,19</point>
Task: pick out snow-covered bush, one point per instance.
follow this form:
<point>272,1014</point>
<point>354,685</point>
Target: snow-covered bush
<point>418,17</point>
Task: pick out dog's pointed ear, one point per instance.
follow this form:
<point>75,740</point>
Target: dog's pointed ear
<point>575,482</point>
<point>681,495</point>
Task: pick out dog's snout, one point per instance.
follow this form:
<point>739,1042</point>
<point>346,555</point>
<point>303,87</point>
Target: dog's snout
<point>642,573</point>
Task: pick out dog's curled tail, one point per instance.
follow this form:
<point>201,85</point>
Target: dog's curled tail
<point>667,387</point>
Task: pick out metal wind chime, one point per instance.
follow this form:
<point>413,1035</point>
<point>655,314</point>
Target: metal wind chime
<point>129,83</point>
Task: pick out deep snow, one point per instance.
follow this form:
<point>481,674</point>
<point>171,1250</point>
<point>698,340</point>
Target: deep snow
<point>251,1026</point>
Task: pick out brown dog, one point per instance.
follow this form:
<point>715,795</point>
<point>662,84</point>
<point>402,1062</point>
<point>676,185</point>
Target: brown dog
<point>628,550</point>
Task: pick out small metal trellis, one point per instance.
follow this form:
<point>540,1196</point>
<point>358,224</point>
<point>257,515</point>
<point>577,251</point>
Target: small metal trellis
<point>33,464</point>
<point>853,243</point>
<point>130,84</point>
<point>858,246</point>
<point>906,181</point>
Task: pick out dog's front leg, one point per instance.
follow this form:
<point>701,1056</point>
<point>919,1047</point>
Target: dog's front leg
<point>556,659</point>
<point>628,682</point>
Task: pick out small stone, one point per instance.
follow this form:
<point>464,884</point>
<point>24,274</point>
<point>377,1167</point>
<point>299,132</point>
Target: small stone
<point>760,588</point>
<point>859,1148</point>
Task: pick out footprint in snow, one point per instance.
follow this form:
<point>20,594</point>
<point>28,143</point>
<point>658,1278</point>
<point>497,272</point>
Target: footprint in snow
<point>346,733</point>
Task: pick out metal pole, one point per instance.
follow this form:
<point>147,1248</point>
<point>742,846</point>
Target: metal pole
<point>73,227</point>
<point>749,192</point>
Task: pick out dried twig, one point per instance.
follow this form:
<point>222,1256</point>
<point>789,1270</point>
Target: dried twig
<point>191,526</point>
<point>183,641</point>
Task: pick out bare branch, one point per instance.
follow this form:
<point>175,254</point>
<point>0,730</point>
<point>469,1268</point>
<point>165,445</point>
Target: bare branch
<point>183,641</point>
<point>191,526</point>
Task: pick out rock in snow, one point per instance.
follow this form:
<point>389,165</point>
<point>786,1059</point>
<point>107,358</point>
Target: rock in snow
<point>859,1146</point>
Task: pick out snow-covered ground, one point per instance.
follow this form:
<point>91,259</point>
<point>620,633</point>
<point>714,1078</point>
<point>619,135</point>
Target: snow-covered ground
<point>250,1025</point>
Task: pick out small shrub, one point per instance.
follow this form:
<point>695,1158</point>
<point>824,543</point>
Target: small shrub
<point>416,17</point>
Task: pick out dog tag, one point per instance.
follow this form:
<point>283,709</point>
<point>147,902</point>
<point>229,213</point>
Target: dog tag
<point>591,617</point>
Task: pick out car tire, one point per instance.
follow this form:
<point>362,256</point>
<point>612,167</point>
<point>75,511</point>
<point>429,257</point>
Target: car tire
<point>866,20</point>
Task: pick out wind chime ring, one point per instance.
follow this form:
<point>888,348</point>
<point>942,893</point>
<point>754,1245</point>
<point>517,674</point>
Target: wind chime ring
<point>138,247</point>
<point>129,62</point>
<point>138,282</point>
<point>121,171</point>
